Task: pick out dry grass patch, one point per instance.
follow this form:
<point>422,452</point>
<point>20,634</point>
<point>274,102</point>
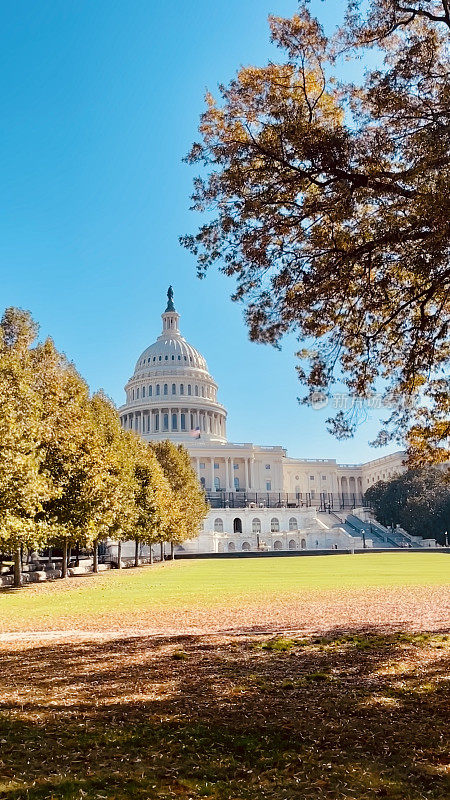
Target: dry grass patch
<point>345,714</point>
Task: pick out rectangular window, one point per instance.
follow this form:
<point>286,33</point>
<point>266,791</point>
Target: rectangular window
<point>202,465</point>
<point>137,394</point>
<point>268,486</point>
<point>235,466</point>
<point>267,466</point>
<point>183,422</point>
<point>143,391</point>
<point>156,422</point>
<point>324,477</point>
<point>165,422</point>
<point>216,466</point>
<point>311,477</point>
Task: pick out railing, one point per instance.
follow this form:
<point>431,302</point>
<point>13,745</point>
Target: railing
<point>326,501</point>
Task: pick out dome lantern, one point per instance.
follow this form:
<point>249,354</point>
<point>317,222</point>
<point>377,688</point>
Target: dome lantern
<point>170,317</point>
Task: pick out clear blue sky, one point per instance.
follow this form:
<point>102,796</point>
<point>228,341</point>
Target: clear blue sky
<point>100,102</point>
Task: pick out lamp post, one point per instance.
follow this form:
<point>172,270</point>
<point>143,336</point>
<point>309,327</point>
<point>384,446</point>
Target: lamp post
<point>363,538</point>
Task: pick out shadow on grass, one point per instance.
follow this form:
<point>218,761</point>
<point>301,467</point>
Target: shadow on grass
<point>358,714</point>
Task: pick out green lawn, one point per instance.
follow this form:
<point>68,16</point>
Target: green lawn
<point>212,583</point>
<point>324,678</point>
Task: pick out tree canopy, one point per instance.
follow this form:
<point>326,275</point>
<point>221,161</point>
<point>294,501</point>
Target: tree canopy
<point>417,500</point>
<point>329,204</point>
<point>68,472</point>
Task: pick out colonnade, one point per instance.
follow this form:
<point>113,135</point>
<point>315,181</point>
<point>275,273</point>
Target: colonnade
<point>209,473</point>
<point>172,419</point>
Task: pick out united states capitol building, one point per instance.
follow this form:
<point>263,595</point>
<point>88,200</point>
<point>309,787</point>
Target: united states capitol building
<point>260,498</point>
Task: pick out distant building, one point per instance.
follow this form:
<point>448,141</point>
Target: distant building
<point>171,395</point>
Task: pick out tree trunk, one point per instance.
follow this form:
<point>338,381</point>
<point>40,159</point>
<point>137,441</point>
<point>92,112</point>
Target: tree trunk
<point>77,554</point>
<point>162,550</point>
<point>151,554</point>
<point>172,551</point>
<point>17,567</point>
<point>136,552</point>
<point>65,558</point>
<point>119,554</point>
<point>95,557</point>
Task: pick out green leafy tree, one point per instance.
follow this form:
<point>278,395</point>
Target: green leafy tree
<point>418,501</point>
<point>23,486</point>
<point>188,507</point>
<point>153,498</point>
<point>114,511</point>
<point>330,206</point>
<point>70,452</point>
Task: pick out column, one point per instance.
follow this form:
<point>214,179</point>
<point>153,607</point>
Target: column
<point>197,466</point>
<point>232,474</point>
<point>246,474</point>
<point>252,473</point>
<point>212,474</point>
<point>227,474</point>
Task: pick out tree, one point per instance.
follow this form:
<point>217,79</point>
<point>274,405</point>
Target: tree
<point>188,508</point>
<point>330,206</point>
<point>115,510</point>
<point>153,498</point>
<point>417,500</point>
<point>23,486</point>
<point>70,452</point>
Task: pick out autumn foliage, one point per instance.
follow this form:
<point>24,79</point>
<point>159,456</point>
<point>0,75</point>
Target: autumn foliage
<point>68,472</point>
<point>328,203</point>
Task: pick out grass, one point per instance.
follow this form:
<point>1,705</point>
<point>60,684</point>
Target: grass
<point>213,584</point>
<point>356,710</point>
<point>320,720</point>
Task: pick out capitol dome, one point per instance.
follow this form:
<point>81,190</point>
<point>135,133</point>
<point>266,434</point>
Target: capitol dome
<point>171,393</point>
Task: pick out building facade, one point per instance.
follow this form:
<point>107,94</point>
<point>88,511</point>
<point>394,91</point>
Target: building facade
<point>171,395</point>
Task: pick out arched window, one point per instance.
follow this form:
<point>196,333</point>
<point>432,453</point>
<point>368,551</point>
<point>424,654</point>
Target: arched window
<point>217,483</point>
<point>183,422</point>
<point>303,544</point>
<point>196,391</point>
<point>256,525</point>
<point>137,393</point>
<point>218,525</point>
<point>231,547</point>
<point>143,391</point>
<point>174,422</point>
<point>292,544</point>
<point>236,483</point>
<point>157,388</point>
<point>278,545</point>
<point>293,526</point>
<point>274,525</point>
<point>174,389</point>
<point>203,391</point>
<point>132,394</point>
<point>156,422</point>
<point>181,388</point>
<point>150,392</point>
<point>237,525</point>
<point>165,422</point>
<point>166,388</point>
<point>189,389</point>
<point>246,546</point>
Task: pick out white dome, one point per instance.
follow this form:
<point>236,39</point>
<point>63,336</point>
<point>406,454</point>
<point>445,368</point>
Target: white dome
<point>170,351</point>
<point>171,393</point>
